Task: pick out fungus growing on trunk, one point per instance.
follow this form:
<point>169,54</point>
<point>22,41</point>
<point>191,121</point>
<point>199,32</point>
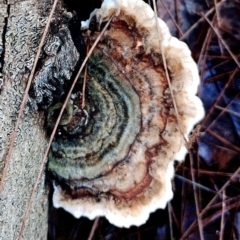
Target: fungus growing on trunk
<point>116,156</point>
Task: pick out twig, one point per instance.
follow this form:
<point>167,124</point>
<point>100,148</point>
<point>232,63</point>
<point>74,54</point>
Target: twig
<point>222,139</point>
<point>93,228</point>
<point>217,77</point>
<point>55,128</point>
<point>200,194</point>
<point>200,226</point>
<point>204,49</point>
<point>176,4</point>
<point>196,23</point>
<point>223,214</point>
<point>175,23</point>
<point>213,217</point>
<point>170,221</point>
<point>186,183</point>
<point>221,39</point>
<point>219,116</point>
<point>215,106</point>
<point>188,231</point>
<point>227,110</point>
<point>206,172</point>
<point>220,95</point>
<point>167,74</point>
<point>195,184</point>
<point>84,85</point>
<point>228,201</point>
<point>216,11</point>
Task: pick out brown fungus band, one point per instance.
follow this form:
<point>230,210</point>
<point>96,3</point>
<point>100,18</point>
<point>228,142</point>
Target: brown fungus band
<point>117,157</point>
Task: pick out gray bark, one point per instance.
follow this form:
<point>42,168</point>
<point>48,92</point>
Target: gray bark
<point>21,26</point>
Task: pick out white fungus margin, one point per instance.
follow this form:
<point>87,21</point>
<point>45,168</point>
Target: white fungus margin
<point>189,106</point>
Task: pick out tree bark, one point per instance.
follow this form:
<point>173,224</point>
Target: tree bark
<point>21,27</point>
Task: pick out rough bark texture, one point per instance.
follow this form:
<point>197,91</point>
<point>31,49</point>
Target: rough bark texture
<point>21,26</point>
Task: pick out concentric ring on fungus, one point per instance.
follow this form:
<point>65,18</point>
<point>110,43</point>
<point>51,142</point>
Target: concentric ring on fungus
<point>117,160</point>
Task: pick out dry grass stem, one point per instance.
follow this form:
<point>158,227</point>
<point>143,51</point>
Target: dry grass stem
<point>234,57</point>
<point>167,73</point>
<point>207,172</point>
<point>222,139</point>
<point>176,3</point>
<point>171,16</point>
<point>222,216</point>
<point>220,96</point>
<point>195,184</point>
<point>227,110</point>
<point>189,230</point>
<point>199,220</point>
<point>200,20</point>
<point>170,221</point>
<point>216,78</point>
<point>208,128</point>
<point>203,54</point>
<point>44,159</point>
<point>84,84</point>
<point>95,224</point>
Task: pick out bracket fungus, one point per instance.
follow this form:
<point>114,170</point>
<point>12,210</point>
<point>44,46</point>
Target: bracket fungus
<point>115,157</point>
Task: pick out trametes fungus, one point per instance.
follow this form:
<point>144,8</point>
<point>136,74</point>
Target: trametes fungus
<point>115,158</point>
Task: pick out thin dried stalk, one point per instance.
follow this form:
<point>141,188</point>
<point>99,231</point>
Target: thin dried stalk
<point>188,231</point>
<point>175,108</point>
<point>221,114</point>
<point>176,4</point>
<point>222,139</point>
<point>175,23</point>
<point>186,184</point>
<point>216,78</point>
<point>216,11</point>
<point>44,159</point>
<point>196,24</point>
<point>223,42</point>
<point>199,220</point>
<point>170,221</point>
<point>222,217</point>
<point>195,184</point>
<point>93,228</point>
<point>13,137</point>
<point>84,85</point>
<point>204,52</point>
<point>207,172</point>
<point>213,217</point>
<point>218,214</point>
<point>227,110</point>
<point>220,95</point>
<point>167,73</point>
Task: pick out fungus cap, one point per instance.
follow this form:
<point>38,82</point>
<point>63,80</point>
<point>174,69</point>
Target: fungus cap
<point>120,163</point>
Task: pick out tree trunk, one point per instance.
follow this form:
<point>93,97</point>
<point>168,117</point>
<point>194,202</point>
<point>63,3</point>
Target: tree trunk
<point>21,27</point>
